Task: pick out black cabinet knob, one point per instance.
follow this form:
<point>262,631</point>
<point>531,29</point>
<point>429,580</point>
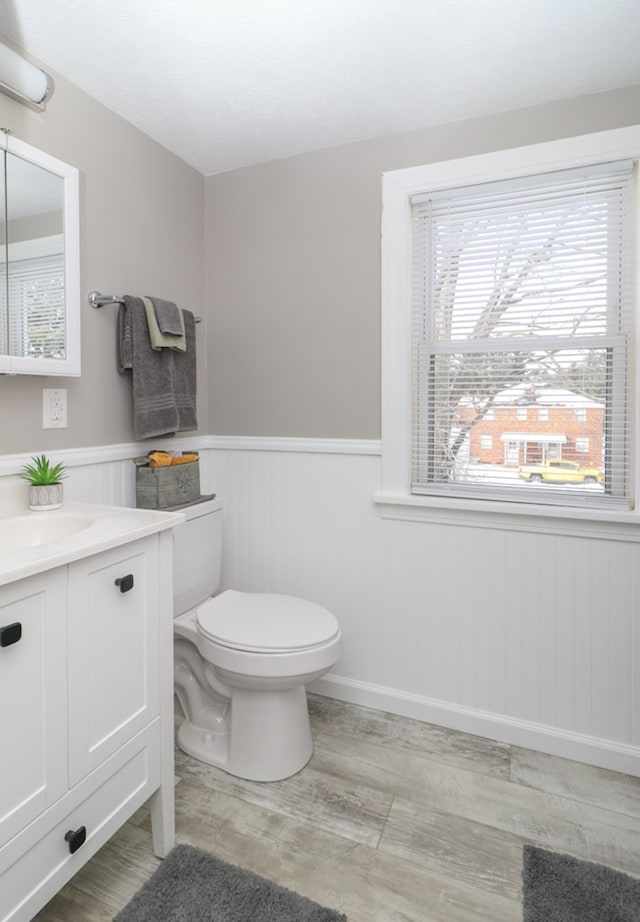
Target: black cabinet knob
<point>10,633</point>
<point>125,582</point>
<point>76,838</point>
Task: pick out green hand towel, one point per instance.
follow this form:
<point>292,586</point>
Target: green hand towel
<point>163,340</point>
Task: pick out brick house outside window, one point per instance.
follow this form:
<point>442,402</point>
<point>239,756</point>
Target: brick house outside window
<point>508,439</point>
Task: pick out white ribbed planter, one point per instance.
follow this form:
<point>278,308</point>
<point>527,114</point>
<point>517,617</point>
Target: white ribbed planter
<point>46,497</point>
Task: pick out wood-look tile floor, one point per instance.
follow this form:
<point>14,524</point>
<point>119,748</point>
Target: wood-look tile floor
<point>393,820</point>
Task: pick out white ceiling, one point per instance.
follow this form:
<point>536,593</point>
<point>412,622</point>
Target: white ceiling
<point>228,83</point>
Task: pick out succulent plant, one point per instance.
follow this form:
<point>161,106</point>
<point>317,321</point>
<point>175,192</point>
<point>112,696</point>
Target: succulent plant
<point>42,472</point>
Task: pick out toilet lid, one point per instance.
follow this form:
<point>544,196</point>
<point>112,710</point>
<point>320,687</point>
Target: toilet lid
<point>265,623</point>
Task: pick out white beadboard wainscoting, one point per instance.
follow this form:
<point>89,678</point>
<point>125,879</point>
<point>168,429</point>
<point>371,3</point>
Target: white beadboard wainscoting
<point>525,636</point>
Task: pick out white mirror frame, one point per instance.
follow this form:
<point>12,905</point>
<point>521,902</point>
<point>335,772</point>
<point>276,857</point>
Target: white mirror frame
<point>17,365</point>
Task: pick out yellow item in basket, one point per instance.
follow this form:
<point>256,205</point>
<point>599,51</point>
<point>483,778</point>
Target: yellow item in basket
<point>165,459</point>
<point>186,457</point>
<point>159,459</point>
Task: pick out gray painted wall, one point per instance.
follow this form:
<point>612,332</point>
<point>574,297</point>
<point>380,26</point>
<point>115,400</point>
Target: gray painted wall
<point>142,232</point>
<point>293,267</point>
<point>287,253</point>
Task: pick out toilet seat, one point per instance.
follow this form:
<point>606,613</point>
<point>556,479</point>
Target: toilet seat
<point>265,623</point>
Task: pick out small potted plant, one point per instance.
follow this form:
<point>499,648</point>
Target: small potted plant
<point>44,479</point>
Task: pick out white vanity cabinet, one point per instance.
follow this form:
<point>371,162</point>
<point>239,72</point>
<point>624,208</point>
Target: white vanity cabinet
<point>86,714</point>
<point>33,698</point>
<point>113,653</point>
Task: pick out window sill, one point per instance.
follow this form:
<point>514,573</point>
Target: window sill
<point>608,524</point>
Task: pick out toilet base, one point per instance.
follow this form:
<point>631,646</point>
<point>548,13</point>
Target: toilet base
<point>268,736</point>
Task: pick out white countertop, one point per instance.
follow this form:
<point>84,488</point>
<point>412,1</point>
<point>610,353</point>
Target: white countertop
<point>109,526</point>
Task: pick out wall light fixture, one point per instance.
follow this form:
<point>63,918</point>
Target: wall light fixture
<point>22,80</point>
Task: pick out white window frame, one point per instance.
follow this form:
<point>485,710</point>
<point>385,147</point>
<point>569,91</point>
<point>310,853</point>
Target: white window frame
<point>399,186</point>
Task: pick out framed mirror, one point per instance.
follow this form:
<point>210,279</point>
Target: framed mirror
<point>39,262</point>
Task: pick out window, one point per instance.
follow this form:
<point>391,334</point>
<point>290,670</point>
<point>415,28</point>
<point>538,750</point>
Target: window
<point>582,445</point>
<point>486,442</point>
<point>520,288</point>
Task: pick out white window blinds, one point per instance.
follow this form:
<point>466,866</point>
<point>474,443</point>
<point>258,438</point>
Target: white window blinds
<point>34,324</point>
<point>521,328</point>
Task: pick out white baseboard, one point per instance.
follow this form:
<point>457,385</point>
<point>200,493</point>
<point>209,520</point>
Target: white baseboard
<point>565,744</point>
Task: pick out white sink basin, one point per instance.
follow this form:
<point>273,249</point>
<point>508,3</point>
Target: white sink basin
<point>33,542</point>
<point>34,529</point>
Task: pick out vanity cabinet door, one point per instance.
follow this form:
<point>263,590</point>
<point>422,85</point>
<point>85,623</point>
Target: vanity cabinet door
<point>113,651</point>
<point>33,730</point>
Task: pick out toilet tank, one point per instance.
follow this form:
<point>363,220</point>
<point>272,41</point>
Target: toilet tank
<point>197,555</point>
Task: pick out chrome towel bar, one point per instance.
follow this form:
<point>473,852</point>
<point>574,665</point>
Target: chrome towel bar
<point>98,300</point>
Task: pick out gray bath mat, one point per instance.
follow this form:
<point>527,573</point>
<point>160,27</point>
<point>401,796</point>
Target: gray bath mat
<point>192,886</point>
<point>558,888</point>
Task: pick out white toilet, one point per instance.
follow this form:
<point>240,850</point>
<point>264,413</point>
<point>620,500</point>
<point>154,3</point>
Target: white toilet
<point>242,660</point>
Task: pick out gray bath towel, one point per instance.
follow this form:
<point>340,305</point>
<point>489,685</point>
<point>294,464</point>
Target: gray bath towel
<point>167,316</point>
<point>164,383</point>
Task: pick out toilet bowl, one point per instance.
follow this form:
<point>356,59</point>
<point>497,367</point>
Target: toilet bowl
<point>241,663</point>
